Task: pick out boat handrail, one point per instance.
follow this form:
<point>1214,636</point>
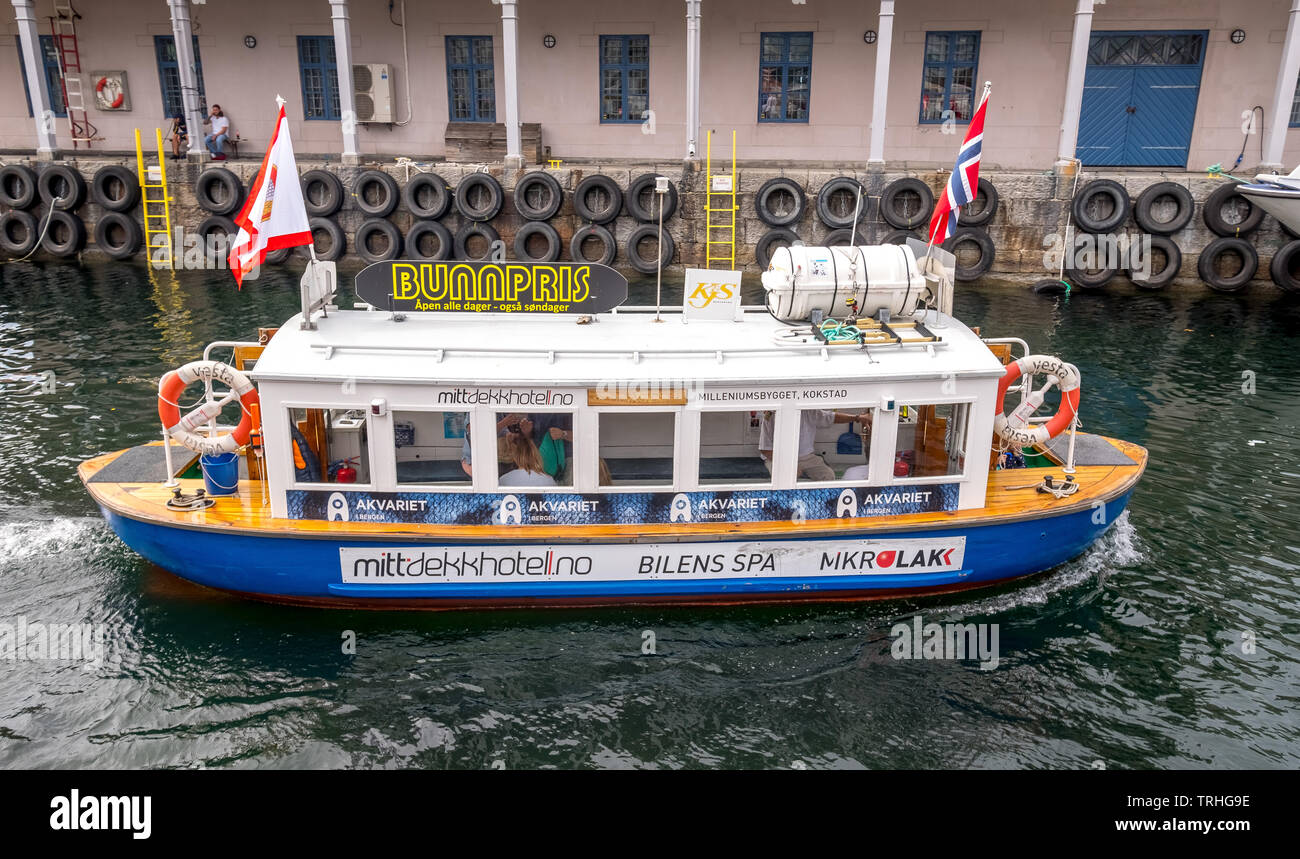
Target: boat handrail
<point>1020,386</point>
<point>636,355</point>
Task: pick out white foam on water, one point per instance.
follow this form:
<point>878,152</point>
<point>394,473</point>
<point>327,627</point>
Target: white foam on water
<point>1118,548</point>
<point>29,538</point>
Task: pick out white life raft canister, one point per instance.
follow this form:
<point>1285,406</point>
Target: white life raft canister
<point>801,279</point>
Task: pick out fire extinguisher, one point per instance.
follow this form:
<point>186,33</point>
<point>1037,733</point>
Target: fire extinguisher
<point>346,473</point>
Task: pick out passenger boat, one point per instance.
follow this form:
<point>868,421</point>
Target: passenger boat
<point>512,434</point>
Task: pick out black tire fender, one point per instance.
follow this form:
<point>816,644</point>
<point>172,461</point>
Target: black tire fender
<point>979,238</point>
<point>599,182</point>
<point>599,233</point>
<point>1285,267</point>
<point>65,183</point>
<point>844,238</point>
<point>531,228</point>
<point>1144,208</point>
<point>416,234</point>
<point>972,217</point>
<point>649,214</point>
<point>18,233</point>
<point>118,235</point>
<point>840,221</point>
<point>1154,279</point>
<point>368,229</point>
<point>1090,278</point>
<point>897,217</point>
<point>427,196</point>
<point>17,186</point>
<point>1081,207</point>
<point>1207,264</point>
<point>375,193</point>
<point>546,184</point>
<point>495,197</point>
<point>219,191</point>
<point>66,235</point>
<point>763,202</point>
<point>115,188</point>
<point>640,263</point>
<point>333,233</point>
<point>322,193</point>
<point>469,231</point>
<point>770,241</point>
<point>1223,196</point>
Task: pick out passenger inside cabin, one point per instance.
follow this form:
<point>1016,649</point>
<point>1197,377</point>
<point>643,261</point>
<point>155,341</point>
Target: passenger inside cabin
<point>811,466</point>
<point>525,458</point>
<point>863,471</point>
<point>466,461</point>
<point>552,433</point>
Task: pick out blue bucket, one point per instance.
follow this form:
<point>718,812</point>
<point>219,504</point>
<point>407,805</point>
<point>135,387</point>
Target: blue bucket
<point>220,473</point>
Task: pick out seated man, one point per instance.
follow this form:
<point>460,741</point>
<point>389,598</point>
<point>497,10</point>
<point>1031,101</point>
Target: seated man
<point>811,466</point>
<point>220,133</point>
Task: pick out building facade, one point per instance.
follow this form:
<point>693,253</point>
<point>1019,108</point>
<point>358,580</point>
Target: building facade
<point>1173,84</point>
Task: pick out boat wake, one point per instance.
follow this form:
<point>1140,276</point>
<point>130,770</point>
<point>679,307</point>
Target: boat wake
<point>1119,548</point>
<point>24,539</point>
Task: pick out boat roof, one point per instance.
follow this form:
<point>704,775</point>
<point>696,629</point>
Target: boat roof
<point>503,348</point>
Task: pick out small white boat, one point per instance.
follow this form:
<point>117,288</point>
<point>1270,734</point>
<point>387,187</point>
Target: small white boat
<point>1278,195</point>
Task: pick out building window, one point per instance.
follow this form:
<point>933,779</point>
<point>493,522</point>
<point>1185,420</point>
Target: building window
<point>624,78</point>
<point>1145,49</point>
<point>948,79</point>
<point>320,77</point>
<point>471,79</point>
<point>53,80</point>
<point>169,76</point>
<point>1295,107</point>
<point>784,70</point>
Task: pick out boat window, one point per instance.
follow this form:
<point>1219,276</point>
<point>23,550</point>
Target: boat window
<point>931,440</point>
<point>534,449</point>
<point>834,444</point>
<point>432,447</point>
<point>329,445</point>
<point>729,449</point>
<point>636,448</point>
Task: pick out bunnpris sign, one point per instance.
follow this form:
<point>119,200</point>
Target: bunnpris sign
<point>491,287</point>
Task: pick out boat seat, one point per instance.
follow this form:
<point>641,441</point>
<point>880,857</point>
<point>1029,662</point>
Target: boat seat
<point>730,468</point>
<point>431,471</point>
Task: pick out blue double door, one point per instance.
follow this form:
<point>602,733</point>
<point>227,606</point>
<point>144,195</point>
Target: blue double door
<point>1139,98</point>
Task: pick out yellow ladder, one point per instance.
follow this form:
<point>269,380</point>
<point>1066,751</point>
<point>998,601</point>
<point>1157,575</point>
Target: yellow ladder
<point>154,178</point>
<point>720,209</point>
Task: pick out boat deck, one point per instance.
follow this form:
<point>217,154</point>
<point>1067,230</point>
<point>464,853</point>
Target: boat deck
<point>129,482</point>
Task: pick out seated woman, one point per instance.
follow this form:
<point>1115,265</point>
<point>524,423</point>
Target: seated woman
<point>526,460</point>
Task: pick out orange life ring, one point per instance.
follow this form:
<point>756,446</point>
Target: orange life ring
<point>1015,428</point>
<point>117,102</point>
<point>185,429</point>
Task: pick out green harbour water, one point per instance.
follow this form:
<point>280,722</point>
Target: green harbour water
<point>1174,642</point>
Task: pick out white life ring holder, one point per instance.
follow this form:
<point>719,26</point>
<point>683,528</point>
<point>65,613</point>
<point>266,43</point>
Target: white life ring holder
<point>1015,429</point>
<point>185,429</point>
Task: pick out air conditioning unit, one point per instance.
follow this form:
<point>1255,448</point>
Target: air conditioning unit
<point>372,92</point>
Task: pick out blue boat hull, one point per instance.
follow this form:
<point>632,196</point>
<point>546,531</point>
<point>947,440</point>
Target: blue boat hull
<point>307,569</point>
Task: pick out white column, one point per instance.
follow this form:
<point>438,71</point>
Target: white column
<point>1078,69</point>
<point>692,76</point>
<point>1287,74</point>
<point>46,147</point>
<point>880,93</point>
<point>343,58</point>
<point>183,35</point>
<point>510,68</point>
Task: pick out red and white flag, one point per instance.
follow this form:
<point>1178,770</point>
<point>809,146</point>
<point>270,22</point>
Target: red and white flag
<point>964,182</point>
<point>274,215</point>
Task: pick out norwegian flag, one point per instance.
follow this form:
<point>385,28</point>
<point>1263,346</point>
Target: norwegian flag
<point>965,179</point>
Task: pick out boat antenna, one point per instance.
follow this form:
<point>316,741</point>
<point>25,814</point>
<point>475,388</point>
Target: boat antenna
<point>661,188</point>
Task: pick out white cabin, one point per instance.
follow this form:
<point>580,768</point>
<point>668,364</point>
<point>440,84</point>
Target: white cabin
<point>642,405</point>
